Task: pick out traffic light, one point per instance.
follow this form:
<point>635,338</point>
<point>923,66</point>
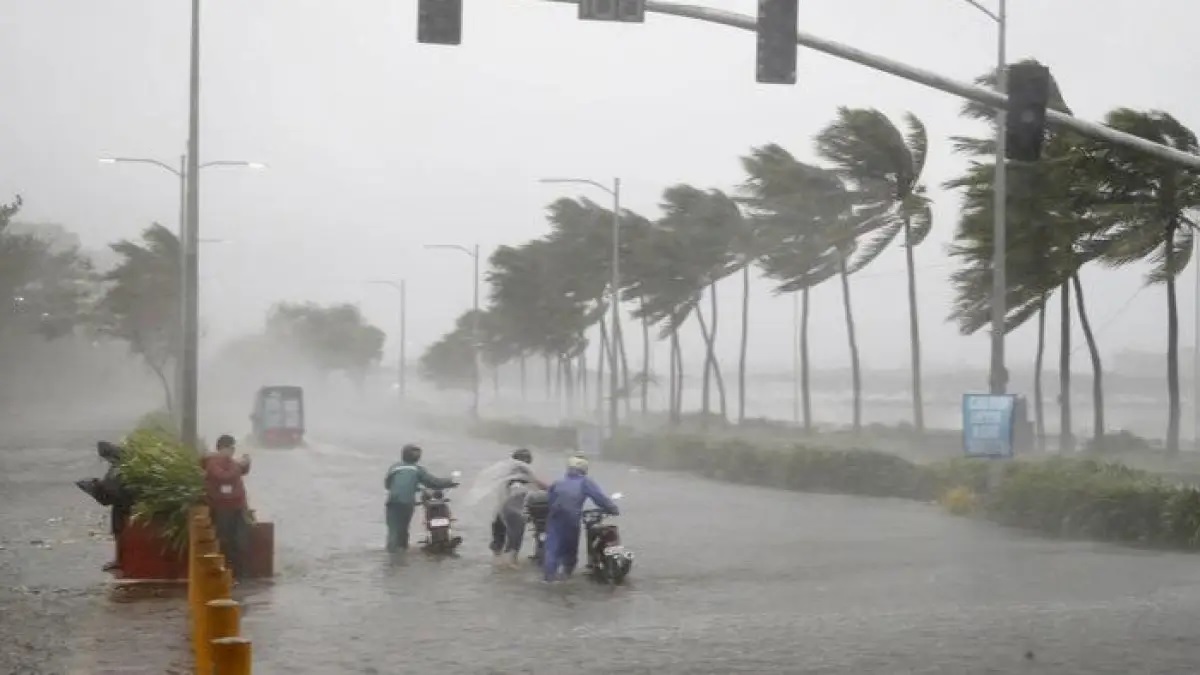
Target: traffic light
<point>625,11</point>
<point>1028,96</point>
<point>439,22</point>
<point>776,58</point>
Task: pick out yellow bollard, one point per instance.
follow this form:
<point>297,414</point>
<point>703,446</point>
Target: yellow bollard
<point>222,620</point>
<point>231,656</point>
<point>212,587</point>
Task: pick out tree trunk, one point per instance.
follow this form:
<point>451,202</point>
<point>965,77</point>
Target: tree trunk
<point>745,343</point>
<point>160,373</point>
<point>524,392</point>
<point>710,362</point>
<point>855,372</point>
<point>805,384</point>
<point>549,377</point>
<point>645,366</point>
<point>558,378</point>
<point>1172,346</point>
<point>1066,440</point>
<point>496,380</point>
<point>914,331</point>
<point>583,378</point>
<point>716,366</point>
<point>569,385</point>
<point>706,381</point>
<point>1038,399</point>
<point>602,361</point>
<point>677,378</point>
<point>672,377</point>
<point>625,393</point>
<point>1097,368</point>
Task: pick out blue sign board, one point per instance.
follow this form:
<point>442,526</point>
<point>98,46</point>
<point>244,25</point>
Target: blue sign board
<point>988,424</point>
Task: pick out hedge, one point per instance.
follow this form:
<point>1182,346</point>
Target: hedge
<point>1062,497</point>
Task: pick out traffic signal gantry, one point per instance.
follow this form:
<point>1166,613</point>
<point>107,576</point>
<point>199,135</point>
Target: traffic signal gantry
<point>440,22</point>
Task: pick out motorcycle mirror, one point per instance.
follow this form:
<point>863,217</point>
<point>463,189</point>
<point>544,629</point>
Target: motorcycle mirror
<point>455,474</point>
<point>616,496</point>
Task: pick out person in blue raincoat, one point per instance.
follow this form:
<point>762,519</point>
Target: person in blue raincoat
<point>567,496</point>
<point>402,482</point>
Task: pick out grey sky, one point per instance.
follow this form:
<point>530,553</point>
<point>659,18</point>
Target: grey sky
<point>378,145</point>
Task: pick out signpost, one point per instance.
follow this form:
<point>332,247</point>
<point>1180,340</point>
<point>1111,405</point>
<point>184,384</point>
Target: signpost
<point>988,425</point>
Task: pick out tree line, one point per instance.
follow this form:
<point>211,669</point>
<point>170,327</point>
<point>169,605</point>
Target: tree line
<point>802,224</point>
<point>54,289</point>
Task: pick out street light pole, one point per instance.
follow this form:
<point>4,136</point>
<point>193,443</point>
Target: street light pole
<point>401,287</point>
<point>999,373</point>
<point>189,397</point>
<point>475,337</point>
<point>614,291</point>
<point>182,235</point>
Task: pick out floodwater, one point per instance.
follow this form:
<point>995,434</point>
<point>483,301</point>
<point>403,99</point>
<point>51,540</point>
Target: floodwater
<point>727,579</point>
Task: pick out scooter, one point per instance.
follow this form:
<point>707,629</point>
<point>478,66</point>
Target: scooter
<point>607,559</point>
<point>439,537</point>
<point>537,509</point>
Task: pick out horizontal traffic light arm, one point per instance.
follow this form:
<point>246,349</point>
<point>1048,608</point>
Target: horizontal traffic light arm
<point>929,79</point>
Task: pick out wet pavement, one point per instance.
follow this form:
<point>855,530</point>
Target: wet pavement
<point>727,579</point>
<point>58,613</point>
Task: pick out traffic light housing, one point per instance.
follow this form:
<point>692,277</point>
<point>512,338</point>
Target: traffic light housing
<point>1028,95</point>
<point>776,32</point>
<point>439,22</point>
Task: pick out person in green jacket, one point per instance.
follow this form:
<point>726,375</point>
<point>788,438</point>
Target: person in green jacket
<point>404,479</point>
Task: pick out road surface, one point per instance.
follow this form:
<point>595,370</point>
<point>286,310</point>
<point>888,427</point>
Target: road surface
<point>727,579</point>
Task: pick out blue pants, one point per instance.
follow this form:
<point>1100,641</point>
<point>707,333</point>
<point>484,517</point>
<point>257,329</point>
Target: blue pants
<point>562,547</point>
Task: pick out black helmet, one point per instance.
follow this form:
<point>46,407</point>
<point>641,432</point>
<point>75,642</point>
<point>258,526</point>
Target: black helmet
<point>225,441</point>
<point>411,454</point>
<point>523,455</point>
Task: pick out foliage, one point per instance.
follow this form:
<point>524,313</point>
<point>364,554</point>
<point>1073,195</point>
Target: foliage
<point>450,362</point>
<point>141,303</point>
<point>332,338</point>
<point>166,478</point>
<point>46,284</point>
<point>1076,498</point>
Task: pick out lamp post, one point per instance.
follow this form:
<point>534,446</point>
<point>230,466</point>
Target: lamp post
<point>400,287</point>
<point>182,234</point>
<point>475,337</point>
<point>614,291</point>
<point>998,376</point>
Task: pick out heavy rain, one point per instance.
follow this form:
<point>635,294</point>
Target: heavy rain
<point>519,337</point>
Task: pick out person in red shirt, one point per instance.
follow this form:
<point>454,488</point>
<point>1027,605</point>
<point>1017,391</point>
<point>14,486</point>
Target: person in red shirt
<point>227,501</point>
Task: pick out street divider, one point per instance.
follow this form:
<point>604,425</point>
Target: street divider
<point>214,616</point>
<point>1069,497</point>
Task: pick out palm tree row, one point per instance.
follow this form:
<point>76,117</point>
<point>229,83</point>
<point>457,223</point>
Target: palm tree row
<point>802,224</point>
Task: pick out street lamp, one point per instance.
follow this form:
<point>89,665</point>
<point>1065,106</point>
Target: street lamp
<point>475,336</point>
<point>184,411</point>
<point>614,292</point>
<point>399,286</point>
<point>998,378</point>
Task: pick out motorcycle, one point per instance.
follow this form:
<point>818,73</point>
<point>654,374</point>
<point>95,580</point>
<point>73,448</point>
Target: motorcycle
<point>607,559</point>
<point>537,509</point>
<point>439,537</point>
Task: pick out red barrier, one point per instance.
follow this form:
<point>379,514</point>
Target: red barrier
<point>145,554</point>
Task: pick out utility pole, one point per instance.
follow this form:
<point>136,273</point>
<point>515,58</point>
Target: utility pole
<point>403,337</point>
<point>615,301</point>
<point>191,306</point>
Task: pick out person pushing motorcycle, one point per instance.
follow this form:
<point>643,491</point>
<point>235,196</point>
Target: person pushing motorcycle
<point>403,480</point>
<point>508,526</point>
<point>566,497</point>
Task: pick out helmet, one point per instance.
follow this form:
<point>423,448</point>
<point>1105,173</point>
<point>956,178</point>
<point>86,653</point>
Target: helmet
<point>577,463</point>
<point>225,441</point>
<point>523,455</point>
<point>411,454</point>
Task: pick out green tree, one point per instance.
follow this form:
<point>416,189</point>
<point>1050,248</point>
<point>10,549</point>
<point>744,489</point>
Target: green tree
<point>883,166</point>
<point>1052,227</point>
<point>450,363</point>
<point>141,302</point>
<point>333,338</point>
<point>1146,203</point>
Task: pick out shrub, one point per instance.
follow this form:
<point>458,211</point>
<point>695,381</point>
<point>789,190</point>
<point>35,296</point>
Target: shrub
<point>165,477</point>
<point>1064,497</point>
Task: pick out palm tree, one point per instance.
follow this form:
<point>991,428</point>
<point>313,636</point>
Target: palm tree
<point>1146,202</point>
<point>883,166</point>
<point>1052,226</point>
<point>706,223</point>
<point>783,198</point>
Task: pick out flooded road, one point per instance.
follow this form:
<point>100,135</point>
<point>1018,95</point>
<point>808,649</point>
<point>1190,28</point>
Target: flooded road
<point>727,579</point>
